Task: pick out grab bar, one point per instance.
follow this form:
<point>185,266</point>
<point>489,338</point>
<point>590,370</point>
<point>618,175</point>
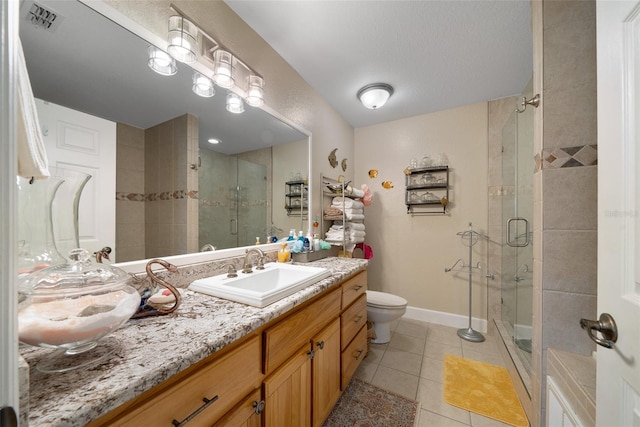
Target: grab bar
<point>514,243</point>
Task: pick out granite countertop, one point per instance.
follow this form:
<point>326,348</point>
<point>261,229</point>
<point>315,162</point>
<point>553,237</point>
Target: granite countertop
<point>150,350</point>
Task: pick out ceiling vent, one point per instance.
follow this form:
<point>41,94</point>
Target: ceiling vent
<point>43,17</point>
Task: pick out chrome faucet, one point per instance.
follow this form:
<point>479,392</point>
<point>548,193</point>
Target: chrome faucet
<point>246,265</point>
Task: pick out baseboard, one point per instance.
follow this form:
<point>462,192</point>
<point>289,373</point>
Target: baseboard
<point>446,319</point>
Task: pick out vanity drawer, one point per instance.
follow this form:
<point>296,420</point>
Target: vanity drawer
<point>352,320</point>
<point>229,378</point>
<point>287,336</point>
<point>353,355</point>
<point>353,288</point>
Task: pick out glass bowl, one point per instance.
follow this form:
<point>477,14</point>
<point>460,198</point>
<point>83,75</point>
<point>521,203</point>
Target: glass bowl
<point>69,307</point>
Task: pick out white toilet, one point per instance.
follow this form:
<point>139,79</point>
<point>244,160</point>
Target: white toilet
<point>382,309</point>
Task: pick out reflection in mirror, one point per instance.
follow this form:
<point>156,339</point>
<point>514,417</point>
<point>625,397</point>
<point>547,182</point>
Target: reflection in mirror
<point>175,191</point>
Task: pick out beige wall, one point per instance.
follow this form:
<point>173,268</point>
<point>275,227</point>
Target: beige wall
<point>285,91</point>
<point>287,159</point>
<point>411,252</point>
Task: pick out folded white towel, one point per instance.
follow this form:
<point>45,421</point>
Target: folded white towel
<point>355,226</point>
<point>349,210</point>
<point>338,225</point>
<point>356,192</point>
<point>32,156</point>
<point>354,216</point>
<point>346,202</point>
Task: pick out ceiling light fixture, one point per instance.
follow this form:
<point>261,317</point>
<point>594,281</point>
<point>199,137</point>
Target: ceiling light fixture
<point>223,69</point>
<point>182,39</point>
<point>234,103</point>
<point>255,92</point>
<point>375,95</point>
<point>161,62</point>
<point>203,85</point>
<point>213,141</point>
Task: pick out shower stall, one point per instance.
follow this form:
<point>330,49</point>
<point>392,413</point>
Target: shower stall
<point>234,201</point>
<point>517,243</point>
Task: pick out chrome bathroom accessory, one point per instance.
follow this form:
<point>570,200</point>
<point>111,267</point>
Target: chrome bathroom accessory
<point>535,101</point>
<point>470,238</point>
<point>607,328</point>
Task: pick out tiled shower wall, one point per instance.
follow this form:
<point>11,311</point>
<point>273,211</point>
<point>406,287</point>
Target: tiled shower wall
<point>171,187</point>
<point>157,190</point>
<point>565,182</point>
<point>130,236</point>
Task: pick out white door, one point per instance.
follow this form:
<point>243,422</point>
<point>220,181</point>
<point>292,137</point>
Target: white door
<point>618,47</point>
<point>85,143</point>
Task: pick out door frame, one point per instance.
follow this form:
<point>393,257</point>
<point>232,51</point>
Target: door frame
<point>9,396</point>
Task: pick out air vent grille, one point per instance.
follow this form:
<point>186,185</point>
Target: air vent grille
<point>45,18</point>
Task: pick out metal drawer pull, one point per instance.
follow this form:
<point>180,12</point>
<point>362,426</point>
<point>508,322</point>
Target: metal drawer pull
<point>258,407</point>
<point>320,344</point>
<point>358,354</point>
<point>206,404</point>
<point>357,319</point>
<point>607,328</point>
<point>357,288</point>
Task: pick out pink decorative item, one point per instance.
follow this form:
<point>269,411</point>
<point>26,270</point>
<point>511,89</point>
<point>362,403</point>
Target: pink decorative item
<point>367,199</point>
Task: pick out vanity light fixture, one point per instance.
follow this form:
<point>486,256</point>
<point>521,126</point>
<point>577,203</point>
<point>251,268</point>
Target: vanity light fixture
<point>161,62</point>
<point>223,69</point>
<point>182,39</point>
<point>234,103</point>
<point>202,85</point>
<point>255,91</point>
<point>375,95</point>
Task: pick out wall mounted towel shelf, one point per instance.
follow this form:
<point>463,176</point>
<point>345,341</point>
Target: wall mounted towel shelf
<point>427,190</point>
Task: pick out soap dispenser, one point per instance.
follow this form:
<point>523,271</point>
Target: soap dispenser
<point>284,254</point>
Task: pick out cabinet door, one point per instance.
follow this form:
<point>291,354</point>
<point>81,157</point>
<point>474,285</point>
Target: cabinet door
<point>326,371</point>
<point>246,414</point>
<point>287,392</point>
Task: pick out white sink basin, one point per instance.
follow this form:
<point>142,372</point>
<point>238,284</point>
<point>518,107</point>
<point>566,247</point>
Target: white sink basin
<point>262,287</point>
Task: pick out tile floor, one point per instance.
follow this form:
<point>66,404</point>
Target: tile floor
<point>411,365</point>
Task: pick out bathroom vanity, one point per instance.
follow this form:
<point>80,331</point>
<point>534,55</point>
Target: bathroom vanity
<point>217,362</point>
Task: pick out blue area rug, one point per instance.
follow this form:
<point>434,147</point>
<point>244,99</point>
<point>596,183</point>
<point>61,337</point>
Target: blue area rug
<point>365,405</point>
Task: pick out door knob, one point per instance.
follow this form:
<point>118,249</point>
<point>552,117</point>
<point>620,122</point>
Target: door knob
<point>607,328</point>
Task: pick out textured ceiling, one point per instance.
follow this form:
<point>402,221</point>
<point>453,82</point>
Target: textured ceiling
<point>436,54</point>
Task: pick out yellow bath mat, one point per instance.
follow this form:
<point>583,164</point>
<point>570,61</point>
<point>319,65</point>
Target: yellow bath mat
<point>482,388</point>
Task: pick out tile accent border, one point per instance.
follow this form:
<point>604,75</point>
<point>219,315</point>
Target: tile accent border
<point>504,190</point>
<point>567,157</point>
<point>151,197</point>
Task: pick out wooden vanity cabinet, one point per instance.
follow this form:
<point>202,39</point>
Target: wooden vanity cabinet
<point>287,392</point>
<point>353,326</point>
<point>248,413</point>
<point>289,373</point>
<point>202,395</point>
<point>325,371</point>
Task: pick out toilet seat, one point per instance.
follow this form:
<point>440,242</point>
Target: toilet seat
<point>384,300</point>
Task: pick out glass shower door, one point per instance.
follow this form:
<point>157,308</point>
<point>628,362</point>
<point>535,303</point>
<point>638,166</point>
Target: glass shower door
<point>252,203</point>
<point>517,214</point>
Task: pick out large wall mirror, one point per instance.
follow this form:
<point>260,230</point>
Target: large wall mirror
<point>176,192</point>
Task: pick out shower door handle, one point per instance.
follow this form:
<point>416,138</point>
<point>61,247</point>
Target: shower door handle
<point>234,227</point>
<point>514,243</point>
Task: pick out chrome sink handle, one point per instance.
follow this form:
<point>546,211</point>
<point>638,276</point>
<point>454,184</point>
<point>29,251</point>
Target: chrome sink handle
<point>246,265</point>
<point>607,328</point>
<point>231,270</point>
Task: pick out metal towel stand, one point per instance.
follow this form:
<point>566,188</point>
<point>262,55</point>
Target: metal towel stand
<point>469,333</point>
